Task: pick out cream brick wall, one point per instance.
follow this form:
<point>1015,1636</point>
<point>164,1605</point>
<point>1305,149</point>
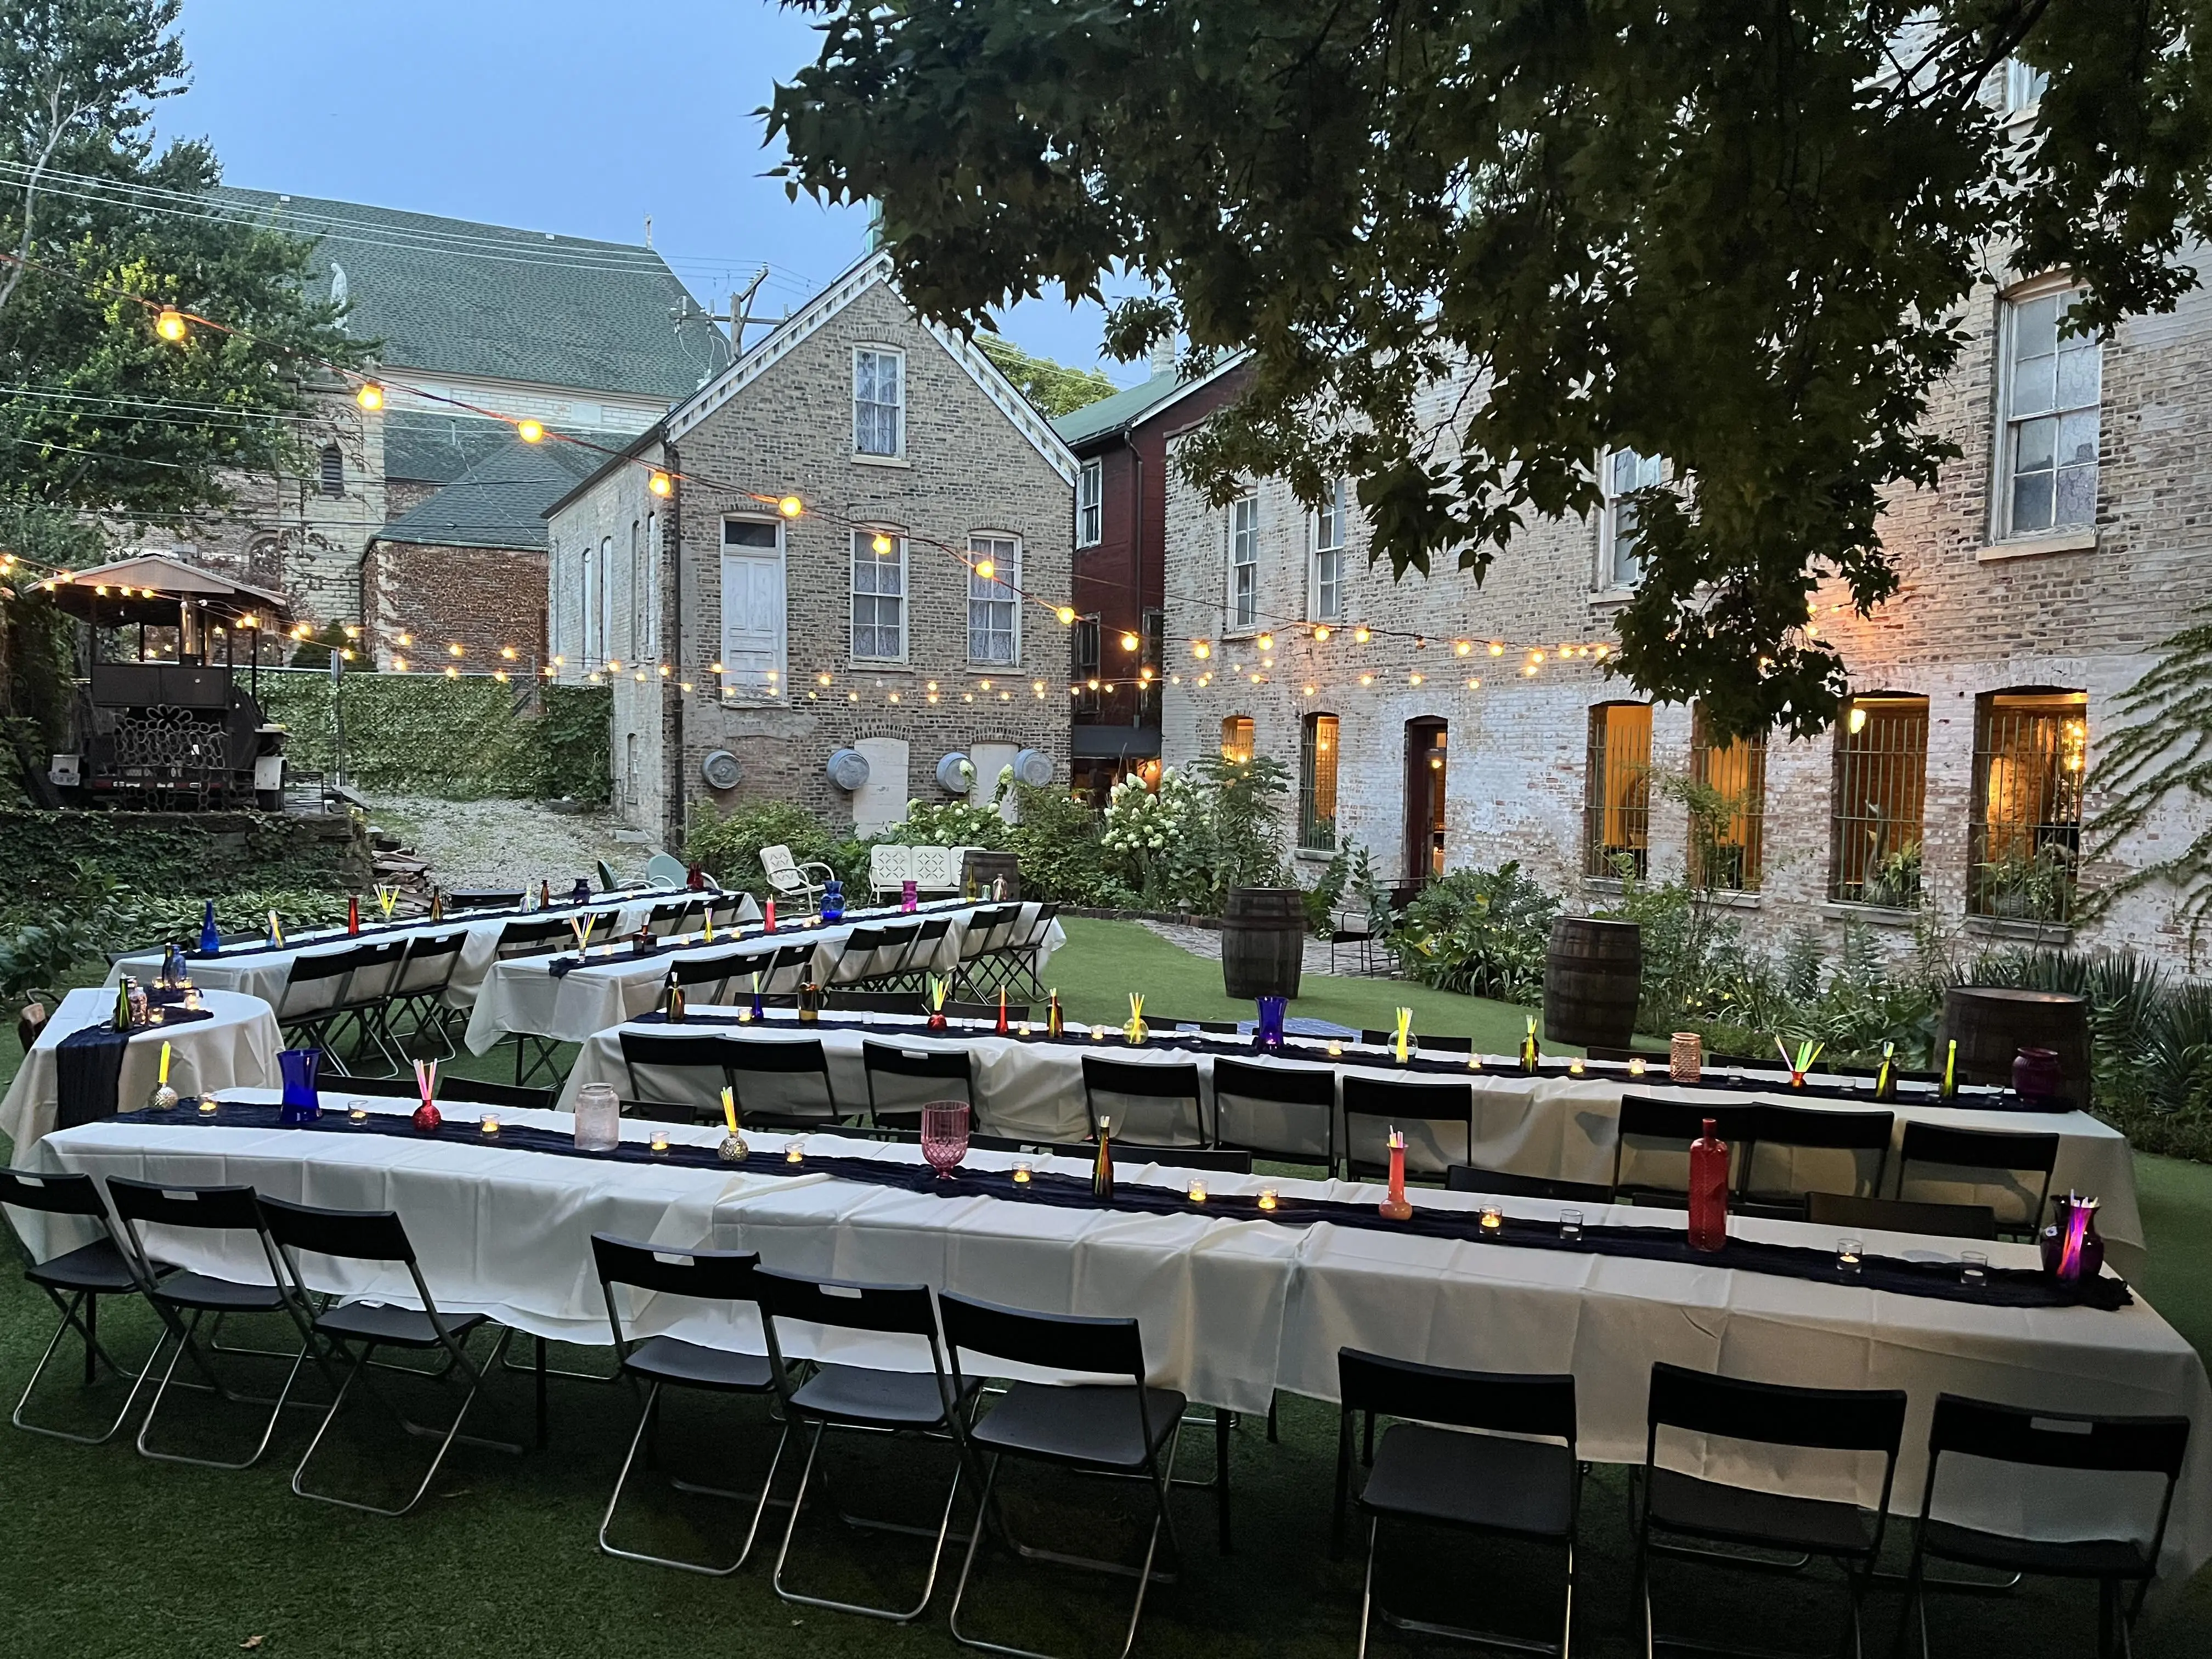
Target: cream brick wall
<point>1968,621</point>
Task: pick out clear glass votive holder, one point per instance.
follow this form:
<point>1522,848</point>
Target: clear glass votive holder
<point>1267,1199</point>
<point>1849,1252</point>
<point>208,1105</point>
<point>1493,1219</point>
<point>1021,1174</point>
<point>357,1115</point>
<point>659,1141</point>
<point>1196,1192</point>
<point>1571,1225</point>
<point>1974,1267</point>
<point>489,1123</point>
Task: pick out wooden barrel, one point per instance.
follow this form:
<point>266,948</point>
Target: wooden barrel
<point>1992,1024</point>
<point>1593,974</point>
<point>983,868</point>
<point>1263,942</point>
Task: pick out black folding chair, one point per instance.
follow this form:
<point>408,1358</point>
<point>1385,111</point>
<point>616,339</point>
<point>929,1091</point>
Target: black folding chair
<point>1771,1182</point>
<point>928,1404</point>
<point>1222,1159</point>
<point>1518,1476</point>
<point>674,1077</point>
<point>483,898</point>
<point>1277,1111</point>
<point>857,954</point>
<point>451,1090</point>
<point>1900,1216</point>
<point>988,928</point>
<point>352,1332</point>
<point>533,937</point>
<point>309,1005</point>
<point>674,916</point>
<point>769,1077</point>
<point>775,1083</point>
<point>1667,1128</point>
<point>1437,1119</point>
<point>727,1277</point>
<point>791,966</point>
<point>873,1002</point>
<point>1472,1178</point>
<point>74,1281</point>
<point>1156,1102</point>
<point>1938,1163</point>
<point>2018,1435</point>
<point>184,1298</point>
<point>1017,955</point>
<point>921,955</point>
<point>726,977</point>
<point>728,910</point>
<point>1212,1027</point>
<point>418,991</point>
<point>375,970</point>
<point>940,1073</point>
<point>1126,1429</point>
<point>1739,1518</point>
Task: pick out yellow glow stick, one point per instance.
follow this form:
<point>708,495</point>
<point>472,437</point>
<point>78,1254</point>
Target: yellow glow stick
<point>165,1061</point>
<point>729,1109</point>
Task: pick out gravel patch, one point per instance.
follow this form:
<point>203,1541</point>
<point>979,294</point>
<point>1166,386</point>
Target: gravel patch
<point>511,843</point>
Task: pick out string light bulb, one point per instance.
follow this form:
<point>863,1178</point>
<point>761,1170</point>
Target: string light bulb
<point>1130,641</point>
<point>661,483</point>
<point>1360,635</point>
<point>531,432</point>
<point>881,544</point>
<point>1320,635</point>
<point>791,507</point>
<point>454,649</point>
<point>1200,649</point>
<point>1497,647</point>
<point>169,322</point>
<point>370,396</point>
<point>1267,641</point>
<point>1067,615</point>
<point>986,569</point>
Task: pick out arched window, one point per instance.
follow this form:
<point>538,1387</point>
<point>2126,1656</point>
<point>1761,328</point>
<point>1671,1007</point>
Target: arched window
<point>1317,784</point>
<point>333,474</point>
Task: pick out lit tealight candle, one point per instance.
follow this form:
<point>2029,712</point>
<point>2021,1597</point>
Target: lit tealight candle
<point>1636,1068</point>
<point>792,1154</point>
<point>208,1104</point>
<point>1849,1251</point>
<point>1267,1199</point>
<point>1574,1068</point>
<point>1197,1193</point>
<point>192,998</point>
<point>1021,1174</point>
<point>1474,1060</point>
<point>1336,1051</point>
<point>1022,1030</point>
<point>1098,1033</point>
<point>490,1124</point>
<point>357,1115</point>
<point>1493,1219</point>
<point>659,1141</point>
<point>744,1015</point>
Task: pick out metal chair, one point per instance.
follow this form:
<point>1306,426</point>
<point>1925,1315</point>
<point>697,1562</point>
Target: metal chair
<point>314,984</point>
<point>725,976</point>
<point>1131,1430</point>
<point>727,1277</point>
<point>1673,1124</point>
<point>773,1083</point>
<point>184,1298</point>
<point>418,989</point>
<point>74,1282</point>
<point>1221,1159</point>
<point>1900,1216</point>
<point>1156,1102</point>
<point>531,937</point>
<point>1277,1111</point>
<point>987,929</point>
<point>942,1075</point>
<point>368,988</point>
<point>352,1332</point>
<point>1710,1513</point>
<point>1437,1119</point>
<point>1969,1155</point>
<point>1017,1012</point>
<point>929,1404</point>
<point>792,967</point>
<point>1517,1476</point>
<point>857,954</point>
<point>921,955</point>
<point>1017,955</point>
<point>727,910</point>
<point>2035,1439</point>
<point>791,878</point>
<point>1473,1178</point>
<point>1865,1136</point>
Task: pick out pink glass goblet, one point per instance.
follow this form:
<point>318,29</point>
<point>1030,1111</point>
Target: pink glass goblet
<point>945,1135</point>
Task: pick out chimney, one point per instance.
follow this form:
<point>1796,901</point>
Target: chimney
<point>1163,355</point>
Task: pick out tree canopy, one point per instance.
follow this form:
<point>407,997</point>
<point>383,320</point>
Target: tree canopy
<point>1737,234</point>
<point>1055,388</point>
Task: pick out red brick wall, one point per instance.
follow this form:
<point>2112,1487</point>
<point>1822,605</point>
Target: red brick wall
<point>484,599</point>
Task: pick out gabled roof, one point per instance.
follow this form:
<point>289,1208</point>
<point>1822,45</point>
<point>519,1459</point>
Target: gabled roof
<point>158,583</point>
<point>870,270</point>
<point>627,449</point>
<point>500,502</point>
<point>490,300</point>
<point>1135,404</point>
<point>424,447</point>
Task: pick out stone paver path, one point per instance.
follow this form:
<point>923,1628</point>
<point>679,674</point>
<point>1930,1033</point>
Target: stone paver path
<point>1206,942</point>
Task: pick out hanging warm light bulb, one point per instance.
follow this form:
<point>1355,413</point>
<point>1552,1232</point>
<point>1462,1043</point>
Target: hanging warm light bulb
<point>1267,641</point>
<point>1367,679</point>
<point>986,569</point>
<point>370,396</point>
<point>661,483</point>
<point>1412,680</point>
<point>1130,641</point>
<point>169,322</point>
<point>791,507</point>
<point>454,649</point>
<point>531,432</point>
<point>881,544</point>
<point>1320,635</point>
<point>1474,685</point>
<point>1360,635</point>
<point>1462,647</point>
<point>1497,647</point>
<point>1200,649</point>
<point>1067,615</point>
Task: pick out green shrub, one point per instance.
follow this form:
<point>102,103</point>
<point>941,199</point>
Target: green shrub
<point>1062,857</point>
<point>1482,932</point>
<point>574,743</point>
<point>949,823</point>
<point>728,845</point>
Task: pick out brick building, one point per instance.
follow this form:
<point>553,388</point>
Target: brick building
<point>731,631</point>
<point>593,339</point>
<point>2040,573</point>
<point>1121,551</point>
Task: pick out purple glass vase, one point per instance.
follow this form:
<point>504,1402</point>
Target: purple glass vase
<point>945,1135</point>
<point>2036,1076</point>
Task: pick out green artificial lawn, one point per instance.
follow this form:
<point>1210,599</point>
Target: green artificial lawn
<point>108,1555</point>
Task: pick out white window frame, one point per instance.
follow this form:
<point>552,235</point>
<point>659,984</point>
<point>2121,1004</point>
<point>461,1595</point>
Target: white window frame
<point>1005,549</point>
<point>2024,86</point>
<point>653,585</point>
<point>1091,503</point>
<point>1326,556</point>
<point>1607,576</point>
<point>638,648</point>
<point>606,602</point>
<point>863,538</point>
<point>2004,527</point>
<point>897,405</point>
<point>1243,592</point>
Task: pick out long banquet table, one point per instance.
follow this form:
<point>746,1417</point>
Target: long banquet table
<point>1560,1127</point>
<point>261,970</point>
<point>549,997</point>
<point>1232,1308</point>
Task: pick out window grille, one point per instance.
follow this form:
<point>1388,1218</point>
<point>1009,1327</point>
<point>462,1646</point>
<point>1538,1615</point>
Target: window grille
<point>1237,738</point>
<point>1317,784</point>
<point>1732,845</point>
<point>2030,750</point>
<point>1245,563</point>
<point>878,401</point>
<point>1090,504</point>
<point>1880,791</point>
<point>1617,791</point>
<point>993,623</point>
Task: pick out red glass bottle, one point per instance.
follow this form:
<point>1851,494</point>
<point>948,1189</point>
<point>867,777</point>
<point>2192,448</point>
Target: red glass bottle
<point>1709,1181</point>
<point>767,922</point>
<point>353,913</point>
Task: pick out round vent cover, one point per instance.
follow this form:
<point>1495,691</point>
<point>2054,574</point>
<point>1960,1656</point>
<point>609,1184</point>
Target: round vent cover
<point>955,774</point>
<point>1034,768</point>
<point>722,770</point>
<point>849,769</point>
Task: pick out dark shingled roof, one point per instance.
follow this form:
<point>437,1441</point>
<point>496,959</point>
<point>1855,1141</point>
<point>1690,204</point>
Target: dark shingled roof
<point>500,501</point>
<point>431,448</point>
<point>464,298</point>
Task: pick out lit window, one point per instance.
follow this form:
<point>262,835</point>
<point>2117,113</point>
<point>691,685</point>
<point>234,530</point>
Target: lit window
<point>1089,505</point>
<point>2052,389</point>
<point>1245,563</point>
<point>1317,784</point>
<point>1727,830</point>
<point>1237,738</point>
<point>879,401</point>
<point>2031,750</point>
<point>1325,584</point>
<point>1622,473</point>
<point>1617,792</point>
<point>1881,792</point>
<point>879,596</point>
<point>993,611</point>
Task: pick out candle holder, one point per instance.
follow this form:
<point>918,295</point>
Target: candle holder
<point>1395,1206</point>
<point>489,1123</point>
<point>357,1115</point>
<point>599,1118</point>
<point>1195,1192</point>
<point>1022,1175</point>
<point>2072,1251</point>
<point>733,1149</point>
<point>1636,1068</point>
<point>1267,1200</point>
<point>1974,1267</point>
<point>1850,1255</point>
<point>1686,1057</point>
<point>209,1105</point>
<point>659,1140</point>
<point>1571,1225</point>
<point>1493,1220</point>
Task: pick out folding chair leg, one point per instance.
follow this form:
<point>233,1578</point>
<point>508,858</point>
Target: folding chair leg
<point>186,1341</point>
<point>452,1432</point>
<point>629,1460</point>
<point>1223,1420</point>
<point>936,1548</point>
<point>88,1328</point>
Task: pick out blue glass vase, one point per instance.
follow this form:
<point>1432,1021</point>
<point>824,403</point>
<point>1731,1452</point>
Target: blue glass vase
<point>833,900</point>
<point>301,1103</point>
<point>1269,1034</point>
<point>211,941</point>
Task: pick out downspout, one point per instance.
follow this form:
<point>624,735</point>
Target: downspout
<point>1136,566</point>
<point>671,732</point>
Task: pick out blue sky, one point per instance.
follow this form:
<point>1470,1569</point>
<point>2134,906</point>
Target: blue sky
<point>575,116</point>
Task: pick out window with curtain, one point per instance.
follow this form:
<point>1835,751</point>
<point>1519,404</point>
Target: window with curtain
<point>879,401</point>
<point>878,596</point>
<point>1622,473</point>
<point>1317,784</point>
<point>1728,828</point>
<point>993,609</point>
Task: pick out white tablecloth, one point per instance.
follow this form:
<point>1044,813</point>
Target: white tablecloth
<point>1231,1310</point>
<point>524,995</point>
<point>236,1049</point>
<point>1562,1128</point>
<point>263,973</point>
